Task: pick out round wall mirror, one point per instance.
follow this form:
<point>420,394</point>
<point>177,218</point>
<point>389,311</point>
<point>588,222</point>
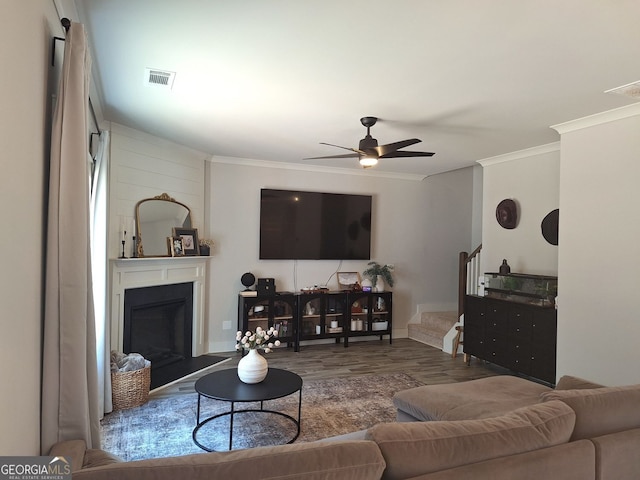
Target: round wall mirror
<point>155,220</point>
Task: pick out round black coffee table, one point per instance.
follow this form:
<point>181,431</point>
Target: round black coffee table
<point>226,386</point>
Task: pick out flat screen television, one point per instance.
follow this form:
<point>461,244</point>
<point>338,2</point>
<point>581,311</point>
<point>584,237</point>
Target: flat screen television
<point>297,225</point>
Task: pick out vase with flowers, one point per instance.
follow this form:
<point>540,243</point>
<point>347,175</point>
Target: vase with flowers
<point>379,274</point>
<point>205,246</point>
<point>253,367</point>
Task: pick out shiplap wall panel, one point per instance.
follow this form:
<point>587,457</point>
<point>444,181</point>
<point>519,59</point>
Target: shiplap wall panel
<point>144,166</point>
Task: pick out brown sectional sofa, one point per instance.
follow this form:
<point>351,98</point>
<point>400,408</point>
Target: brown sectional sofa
<point>570,433</point>
<point>606,435</point>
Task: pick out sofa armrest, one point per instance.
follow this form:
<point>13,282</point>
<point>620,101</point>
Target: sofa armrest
<point>72,450</point>
<point>77,453</point>
<point>94,457</point>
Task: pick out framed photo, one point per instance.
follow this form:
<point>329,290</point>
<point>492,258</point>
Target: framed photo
<point>348,280</point>
<point>176,246</point>
<point>190,243</point>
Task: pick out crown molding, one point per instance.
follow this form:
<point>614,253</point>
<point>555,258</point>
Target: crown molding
<point>370,172</point>
<point>598,118</point>
<point>520,154</point>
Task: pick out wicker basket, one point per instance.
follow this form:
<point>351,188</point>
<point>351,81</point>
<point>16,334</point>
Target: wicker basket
<point>130,389</point>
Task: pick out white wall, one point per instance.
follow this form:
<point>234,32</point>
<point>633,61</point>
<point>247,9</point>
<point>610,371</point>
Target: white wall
<point>531,178</point>
<point>25,53</point>
<point>420,226</point>
<point>598,321</point>
<point>447,221</point>
<point>144,166</point>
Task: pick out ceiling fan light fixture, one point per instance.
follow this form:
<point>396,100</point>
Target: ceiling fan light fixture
<point>369,152</point>
<point>368,161</point>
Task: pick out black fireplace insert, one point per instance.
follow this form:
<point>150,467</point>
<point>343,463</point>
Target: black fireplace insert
<point>158,323</point>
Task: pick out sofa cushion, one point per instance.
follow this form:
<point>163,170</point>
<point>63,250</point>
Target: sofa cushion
<point>417,448</point>
<point>616,453</point>
<point>569,382</point>
<point>482,398</point>
<point>600,411</point>
<point>309,461</point>
<point>569,461</point>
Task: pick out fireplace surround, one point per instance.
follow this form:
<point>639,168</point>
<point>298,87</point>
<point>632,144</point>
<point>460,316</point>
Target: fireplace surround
<point>137,273</point>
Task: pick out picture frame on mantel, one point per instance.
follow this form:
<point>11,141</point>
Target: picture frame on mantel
<point>175,246</point>
<point>190,242</point>
<point>348,280</point>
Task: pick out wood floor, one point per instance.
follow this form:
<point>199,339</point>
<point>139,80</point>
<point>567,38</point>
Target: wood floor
<point>422,362</point>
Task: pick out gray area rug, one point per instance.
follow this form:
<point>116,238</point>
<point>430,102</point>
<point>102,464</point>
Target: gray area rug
<point>163,427</point>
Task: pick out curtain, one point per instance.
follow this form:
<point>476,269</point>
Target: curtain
<point>99,211</point>
<point>99,262</point>
<point>69,383</point>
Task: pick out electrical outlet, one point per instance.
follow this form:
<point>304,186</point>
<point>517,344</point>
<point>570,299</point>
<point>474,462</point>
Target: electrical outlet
<point>226,325</point>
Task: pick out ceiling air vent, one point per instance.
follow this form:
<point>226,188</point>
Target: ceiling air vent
<point>158,78</point>
<point>629,90</point>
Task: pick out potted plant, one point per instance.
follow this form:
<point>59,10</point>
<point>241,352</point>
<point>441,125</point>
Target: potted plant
<point>379,274</point>
<point>205,246</point>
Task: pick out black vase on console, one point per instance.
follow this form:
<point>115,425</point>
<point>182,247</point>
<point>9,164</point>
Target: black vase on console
<point>504,268</point>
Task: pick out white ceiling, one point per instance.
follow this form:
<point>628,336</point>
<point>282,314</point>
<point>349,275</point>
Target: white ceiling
<point>271,79</point>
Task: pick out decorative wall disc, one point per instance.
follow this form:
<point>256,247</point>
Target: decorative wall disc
<point>550,226</point>
<point>507,214</point>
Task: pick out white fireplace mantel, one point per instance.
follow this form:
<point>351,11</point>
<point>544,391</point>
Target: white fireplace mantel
<point>148,272</point>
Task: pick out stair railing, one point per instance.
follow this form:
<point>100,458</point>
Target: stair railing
<point>468,273</point>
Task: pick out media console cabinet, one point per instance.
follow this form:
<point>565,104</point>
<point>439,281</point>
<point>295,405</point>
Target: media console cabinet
<point>335,315</point>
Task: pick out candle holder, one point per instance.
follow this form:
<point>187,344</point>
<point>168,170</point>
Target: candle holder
<point>123,242</point>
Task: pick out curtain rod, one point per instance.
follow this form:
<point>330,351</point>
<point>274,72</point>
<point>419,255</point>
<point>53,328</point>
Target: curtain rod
<point>66,23</point>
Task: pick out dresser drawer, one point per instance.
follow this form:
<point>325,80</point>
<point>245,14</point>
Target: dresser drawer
<point>521,328</point>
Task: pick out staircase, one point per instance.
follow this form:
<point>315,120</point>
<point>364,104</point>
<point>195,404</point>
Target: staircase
<point>433,327</point>
<point>437,329</point>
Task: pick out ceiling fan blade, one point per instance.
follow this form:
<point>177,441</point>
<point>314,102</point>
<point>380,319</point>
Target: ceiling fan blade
<point>403,153</point>
<point>344,148</point>
<point>392,147</point>
<point>346,155</point>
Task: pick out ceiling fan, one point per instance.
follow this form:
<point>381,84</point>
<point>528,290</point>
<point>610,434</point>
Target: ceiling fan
<point>368,151</point>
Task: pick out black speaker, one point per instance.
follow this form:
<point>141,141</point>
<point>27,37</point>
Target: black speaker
<point>248,279</point>
<point>266,286</point>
